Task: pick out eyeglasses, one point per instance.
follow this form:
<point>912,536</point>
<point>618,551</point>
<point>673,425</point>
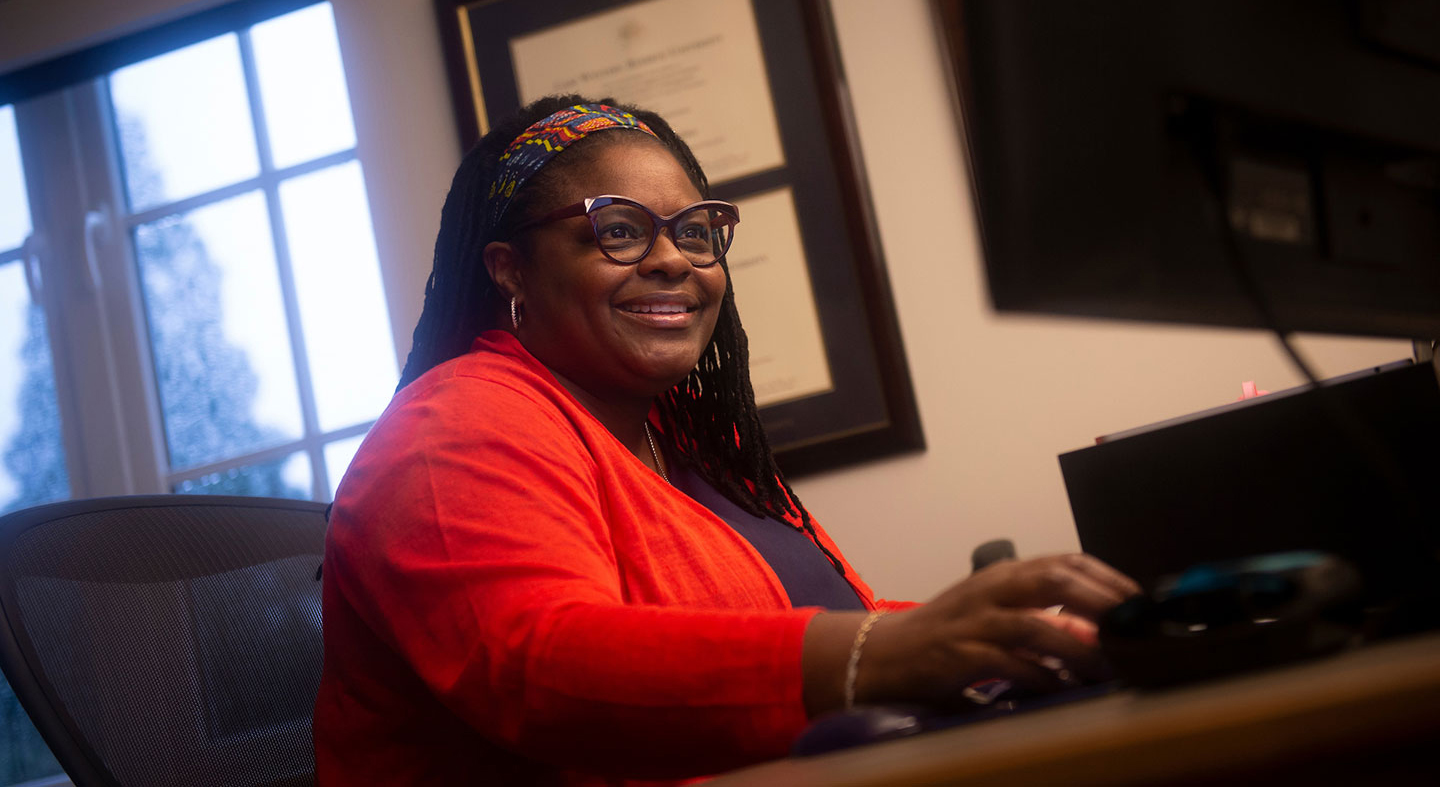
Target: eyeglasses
<point>625,230</point>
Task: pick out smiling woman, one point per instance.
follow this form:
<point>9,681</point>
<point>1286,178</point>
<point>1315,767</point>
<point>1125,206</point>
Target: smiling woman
<point>606,328</point>
<point>565,554</point>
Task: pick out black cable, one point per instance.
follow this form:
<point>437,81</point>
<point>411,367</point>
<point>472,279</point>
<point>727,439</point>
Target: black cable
<point>1204,143</point>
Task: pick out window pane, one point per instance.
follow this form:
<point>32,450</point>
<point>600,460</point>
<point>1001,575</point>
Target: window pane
<point>342,303</point>
<point>218,331</point>
<point>32,459</point>
<point>302,85</point>
<point>288,477</point>
<point>337,459</point>
<point>14,205</point>
<point>184,122</point>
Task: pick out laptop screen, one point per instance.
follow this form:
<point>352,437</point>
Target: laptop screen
<point>1349,468</point>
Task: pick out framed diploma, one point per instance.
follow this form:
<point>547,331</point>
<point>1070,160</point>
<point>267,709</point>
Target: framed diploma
<point>755,88</point>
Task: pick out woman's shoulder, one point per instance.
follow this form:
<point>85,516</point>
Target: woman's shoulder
<point>485,396</point>
<point>494,358</point>
<point>484,408</point>
<point>496,370</point>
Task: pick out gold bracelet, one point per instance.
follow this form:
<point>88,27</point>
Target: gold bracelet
<point>852,667</point>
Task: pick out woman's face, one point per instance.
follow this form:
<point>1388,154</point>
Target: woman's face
<point>618,331</point>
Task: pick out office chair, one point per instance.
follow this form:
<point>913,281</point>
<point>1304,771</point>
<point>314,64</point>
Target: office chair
<point>166,640</point>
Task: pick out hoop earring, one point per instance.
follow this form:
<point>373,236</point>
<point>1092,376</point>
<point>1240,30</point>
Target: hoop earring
<point>514,315</point>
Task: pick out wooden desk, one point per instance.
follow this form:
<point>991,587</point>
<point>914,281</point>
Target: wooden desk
<point>1370,716</point>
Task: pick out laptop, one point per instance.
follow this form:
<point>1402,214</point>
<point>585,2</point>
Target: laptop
<point>1351,468</point>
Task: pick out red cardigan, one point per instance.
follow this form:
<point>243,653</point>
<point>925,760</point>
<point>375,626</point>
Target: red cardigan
<point>511,597</point>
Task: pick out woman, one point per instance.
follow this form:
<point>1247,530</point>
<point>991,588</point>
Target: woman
<point>564,554</point>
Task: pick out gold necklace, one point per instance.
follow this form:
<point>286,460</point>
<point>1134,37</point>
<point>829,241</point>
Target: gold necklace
<point>655,454</point>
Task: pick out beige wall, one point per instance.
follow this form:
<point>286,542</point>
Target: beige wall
<point>999,396</point>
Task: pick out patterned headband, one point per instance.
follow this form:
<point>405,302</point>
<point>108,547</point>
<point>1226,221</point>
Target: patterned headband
<point>543,141</point>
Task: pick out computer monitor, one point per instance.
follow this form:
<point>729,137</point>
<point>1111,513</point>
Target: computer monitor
<point>1204,161</point>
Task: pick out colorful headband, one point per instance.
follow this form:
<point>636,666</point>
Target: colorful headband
<point>543,141</point>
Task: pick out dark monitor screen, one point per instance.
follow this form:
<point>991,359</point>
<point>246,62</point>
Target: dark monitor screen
<point>1186,160</point>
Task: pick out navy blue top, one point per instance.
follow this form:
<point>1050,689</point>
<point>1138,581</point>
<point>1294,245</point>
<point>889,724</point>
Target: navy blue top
<point>809,578</point>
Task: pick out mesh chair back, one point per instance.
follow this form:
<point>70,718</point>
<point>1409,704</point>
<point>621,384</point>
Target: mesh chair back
<point>169,639</point>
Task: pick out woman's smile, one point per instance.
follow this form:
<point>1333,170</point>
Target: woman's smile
<point>662,310</point>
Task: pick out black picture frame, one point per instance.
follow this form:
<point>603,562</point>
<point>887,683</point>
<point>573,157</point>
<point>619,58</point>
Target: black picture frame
<point>870,411</point>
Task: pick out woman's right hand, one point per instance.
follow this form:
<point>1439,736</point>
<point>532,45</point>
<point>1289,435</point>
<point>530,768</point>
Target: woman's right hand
<point>990,625</point>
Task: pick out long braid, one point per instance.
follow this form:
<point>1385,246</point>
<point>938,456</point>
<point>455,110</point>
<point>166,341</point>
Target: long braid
<point>720,435</point>
<point>457,289</point>
<point>712,414</point>
<point>713,411</point>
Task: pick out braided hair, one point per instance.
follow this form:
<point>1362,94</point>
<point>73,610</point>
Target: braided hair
<point>711,414</point>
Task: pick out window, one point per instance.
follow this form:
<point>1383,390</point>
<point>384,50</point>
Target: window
<point>227,253</point>
<point>190,298</point>
<point>255,257</point>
